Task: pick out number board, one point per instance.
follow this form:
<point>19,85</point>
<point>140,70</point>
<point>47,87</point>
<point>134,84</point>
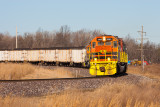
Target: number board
<point>99,39</point>
<point>108,39</point>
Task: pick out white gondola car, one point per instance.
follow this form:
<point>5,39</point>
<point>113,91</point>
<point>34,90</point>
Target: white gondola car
<point>51,55</point>
<point>78,55</point>
<point>63,55</point>
<point>11,56</point>
<point>19,55</point>
<point>1,56</point>
<point>6,55</point>
<point>41,55</point>
<point>24,55</point>
<point>33,55</point>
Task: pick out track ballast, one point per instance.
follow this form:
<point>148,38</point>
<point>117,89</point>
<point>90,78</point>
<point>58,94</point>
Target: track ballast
<point>40,87</point>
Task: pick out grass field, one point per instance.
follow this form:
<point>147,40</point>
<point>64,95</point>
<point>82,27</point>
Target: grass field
<point>152,71</point>
<point>110,95</point>
<point>12,71</point>
<point>145,94</point>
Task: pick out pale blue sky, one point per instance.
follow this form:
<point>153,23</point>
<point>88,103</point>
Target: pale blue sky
<point>116,17</point>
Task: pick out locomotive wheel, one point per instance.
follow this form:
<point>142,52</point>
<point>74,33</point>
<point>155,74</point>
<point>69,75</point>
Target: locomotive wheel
<point>125,68</point>
<point>118,68</point>
<point>122,67</point>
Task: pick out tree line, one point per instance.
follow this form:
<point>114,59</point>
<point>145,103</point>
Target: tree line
<point>64,37</point>
<point>44,39</point>
<point>151,50</point>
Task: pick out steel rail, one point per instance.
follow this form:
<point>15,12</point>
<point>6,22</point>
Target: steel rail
<point>74,78</point>
<point>22,80</point>
<point>40,87</point>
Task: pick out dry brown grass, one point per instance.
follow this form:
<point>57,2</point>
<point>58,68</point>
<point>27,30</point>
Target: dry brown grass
<point>41,73</point>
<point>152,71</point>
<point>12,71</point>
<point>144,94</point>
<point>110,95</point>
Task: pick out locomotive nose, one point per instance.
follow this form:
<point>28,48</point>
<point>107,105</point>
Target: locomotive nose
<point>107,48</point>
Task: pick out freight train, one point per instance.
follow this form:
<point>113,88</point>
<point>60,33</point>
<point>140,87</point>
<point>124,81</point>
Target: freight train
<point>105,55</point>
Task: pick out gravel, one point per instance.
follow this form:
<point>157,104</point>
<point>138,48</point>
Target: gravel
<point>50,86</point>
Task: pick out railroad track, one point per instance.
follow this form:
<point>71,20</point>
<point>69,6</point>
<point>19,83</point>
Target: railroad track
<point>40,87</point>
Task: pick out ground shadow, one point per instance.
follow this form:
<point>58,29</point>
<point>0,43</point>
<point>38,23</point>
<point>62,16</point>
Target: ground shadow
<point>114,76</point>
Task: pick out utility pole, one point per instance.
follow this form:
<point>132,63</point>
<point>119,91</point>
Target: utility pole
<point>16,37</point>
<point>142,50</point>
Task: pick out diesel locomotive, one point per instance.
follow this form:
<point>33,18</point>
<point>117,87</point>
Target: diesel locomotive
<point>107,55</point>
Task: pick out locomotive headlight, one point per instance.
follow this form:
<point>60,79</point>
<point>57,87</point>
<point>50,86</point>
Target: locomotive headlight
<point>108,58</point>
<point>95,59</point>
<point>104,39</point>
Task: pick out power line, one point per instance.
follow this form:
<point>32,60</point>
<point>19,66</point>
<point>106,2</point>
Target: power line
<point>142,50</point>
<point>16,37</point>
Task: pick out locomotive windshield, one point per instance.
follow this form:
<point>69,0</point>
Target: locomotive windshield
<point>100,43</point>
<point>107,43</point>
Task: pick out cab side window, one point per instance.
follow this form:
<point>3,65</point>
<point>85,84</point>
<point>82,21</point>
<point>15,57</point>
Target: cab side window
<point>88,49</point>
<point>115,44</point>
<point>124,48</point>
<point>93,44</point>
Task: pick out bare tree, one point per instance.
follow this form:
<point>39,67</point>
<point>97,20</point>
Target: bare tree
<point>65,38</point>
<point>62,38</point>
<point>132,48</point>
<point>28,40</point>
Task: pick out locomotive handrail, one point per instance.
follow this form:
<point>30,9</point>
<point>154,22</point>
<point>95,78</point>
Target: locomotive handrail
<point>92,54</point>
<point>105,56</point>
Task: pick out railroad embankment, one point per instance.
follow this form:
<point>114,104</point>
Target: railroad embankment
<point>109,95</point>
<point>137,89</point>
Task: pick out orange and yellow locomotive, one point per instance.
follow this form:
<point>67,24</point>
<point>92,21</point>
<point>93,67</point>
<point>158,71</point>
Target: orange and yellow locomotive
<point>107,55</point>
